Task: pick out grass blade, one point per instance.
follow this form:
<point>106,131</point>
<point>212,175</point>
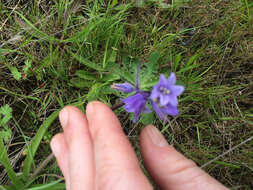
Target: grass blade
<point>4,160</point>
<point>55,185</point>
<point>39,33</point>
<point>36,142</point>
<point>86,62</point>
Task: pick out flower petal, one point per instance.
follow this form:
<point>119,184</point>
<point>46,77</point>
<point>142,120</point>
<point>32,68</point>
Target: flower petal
<point>131,102</point>
<point>136,104</point>
<point>155,93</point>
<point>124,87</point>
<point>136,116</point>
<point>171,110</point>
<point>158,111</point>
<point>173,100</point>
<point>163,81</point>
<point>164,100</point>
<point>172,79</point>
<point>177,89</point>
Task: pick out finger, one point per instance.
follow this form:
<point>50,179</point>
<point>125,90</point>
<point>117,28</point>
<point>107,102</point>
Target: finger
<point>60,151</point>
<point>80,154</point>
<point>169,168</point>
<point>117,166</point>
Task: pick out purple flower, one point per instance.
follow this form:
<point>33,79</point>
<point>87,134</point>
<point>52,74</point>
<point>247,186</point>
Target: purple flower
<point>166,92</point>
<point>137,104</point>
<point>164,96</point>
<point>124,87</point>
<point>162,112</point>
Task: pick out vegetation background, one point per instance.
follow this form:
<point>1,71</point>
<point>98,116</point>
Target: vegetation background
<point>59,52</point>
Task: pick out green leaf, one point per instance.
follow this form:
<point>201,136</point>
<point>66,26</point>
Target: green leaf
<point>94,91</point>
<point>177,61</point>
<point>55,185</point>
<point>80,83</point>
<point>124,74</point>
<point>16,74</point>
<point>6,111</point>
<point>114,2</point>
<point>107,90</point>
<point>5,134</point>
<point>147,118</point>
<point>38,33</point>
<point>36,142</point>
<point>111,77</point>
<point>226,164</point>
<point>189,68</point>
<point>140,3</point>
<point>152,68</point>
<point>50,186</point>
<point>6,51</point>
<point>192,60</point>
<point>28,64</point>
<point>86,62</point>
<point>180,82</point>
<point>127,76</point>
<point>113,56</point>
<point>85,75</point>
<point>153,61</point>
<point>9,187</point>
<point>148,85</point>
<point>5,161</point>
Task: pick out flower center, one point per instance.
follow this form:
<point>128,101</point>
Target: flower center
<point>164,90</point>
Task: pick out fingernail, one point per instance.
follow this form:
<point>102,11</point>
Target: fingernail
<point>156,137</point>
<point>64,116</point>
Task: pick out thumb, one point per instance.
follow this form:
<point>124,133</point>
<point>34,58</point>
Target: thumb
<point>169,168</point>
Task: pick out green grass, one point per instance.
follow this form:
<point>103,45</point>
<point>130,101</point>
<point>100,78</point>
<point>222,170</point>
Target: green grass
<point>55,53</point>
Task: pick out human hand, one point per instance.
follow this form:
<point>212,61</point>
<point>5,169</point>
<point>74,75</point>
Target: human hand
<point>93,153</point>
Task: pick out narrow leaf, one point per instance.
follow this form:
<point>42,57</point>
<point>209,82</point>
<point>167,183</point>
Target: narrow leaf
<point>86,62</point>
<point>177,61</point>
<point>50,186</point>
<point>39,33</point>
<point>192,59</point>
<point>80,83</point>
<point>154,57</point>
<point>36,142</point>
<point>111,77</point>
<point>6,111</point>
<point>85,75</point>
<point>5,134</point>
<point>5,161</point>
<point>14,71</point>
<point>28,64</point>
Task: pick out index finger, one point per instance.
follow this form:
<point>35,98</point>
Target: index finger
<point>113,153</point>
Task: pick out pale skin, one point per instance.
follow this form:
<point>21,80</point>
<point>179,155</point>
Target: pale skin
<point>94,153</point>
